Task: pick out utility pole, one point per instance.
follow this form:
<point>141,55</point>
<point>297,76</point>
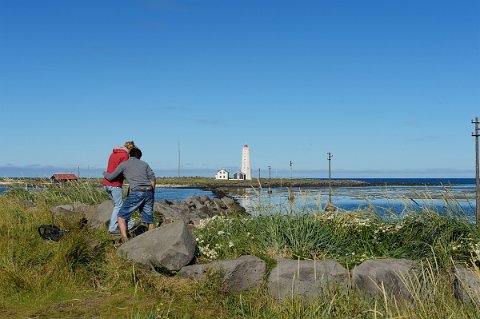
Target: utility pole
<point>477,179</point>
<point>259,173</point>
<point>269,179</point>
<point>330,206</point>
<point>291,163</point>
<point>290,195</point>
<point>178,159</point>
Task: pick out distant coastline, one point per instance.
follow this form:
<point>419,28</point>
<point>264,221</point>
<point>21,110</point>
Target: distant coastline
<point>211,183</point>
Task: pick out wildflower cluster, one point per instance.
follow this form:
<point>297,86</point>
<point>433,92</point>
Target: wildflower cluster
<point>207,221</point>
<point>222,237</point>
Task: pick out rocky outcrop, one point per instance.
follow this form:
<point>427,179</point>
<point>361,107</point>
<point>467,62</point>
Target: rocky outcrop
<point>240,274</point>
<point>391,276</point>
<point>189,211</point>
<point>76,209</point>
<point>306,278</point>
<point>165,249</point>
<point>195,208</point>
<point>467,285</point>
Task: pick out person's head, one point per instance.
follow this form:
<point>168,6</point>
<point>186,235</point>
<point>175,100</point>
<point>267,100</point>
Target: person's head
<point>136,152</point>
<point>129,145</point>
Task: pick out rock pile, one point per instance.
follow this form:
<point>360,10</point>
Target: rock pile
<point>189,211</point>
<point>196,208</point>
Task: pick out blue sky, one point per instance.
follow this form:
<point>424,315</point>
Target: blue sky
<point>389,87</point>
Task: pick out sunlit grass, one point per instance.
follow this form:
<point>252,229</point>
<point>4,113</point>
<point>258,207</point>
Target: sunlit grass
<point>347,236</point>
<point>81,275</point>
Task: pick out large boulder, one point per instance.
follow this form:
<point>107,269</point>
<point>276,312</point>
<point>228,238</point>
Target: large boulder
<point>240,274</point>
<point>306,278</point>
<point>102,214</point>
<point>165,249</point>
<point>467,285</point>
<point>391,276</point>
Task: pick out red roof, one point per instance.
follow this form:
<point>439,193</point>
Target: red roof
<point>59,177</point>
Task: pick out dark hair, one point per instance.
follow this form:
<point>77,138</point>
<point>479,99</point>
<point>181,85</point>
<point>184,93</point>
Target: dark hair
<point>136,152</point>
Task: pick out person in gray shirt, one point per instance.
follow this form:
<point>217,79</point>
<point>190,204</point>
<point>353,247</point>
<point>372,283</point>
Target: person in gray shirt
<point>141,180</point>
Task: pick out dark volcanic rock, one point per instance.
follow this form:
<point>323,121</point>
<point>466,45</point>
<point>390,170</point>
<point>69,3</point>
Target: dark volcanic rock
<point>195,208</point>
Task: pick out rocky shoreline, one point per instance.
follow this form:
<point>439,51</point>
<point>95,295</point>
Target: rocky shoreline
<point>265,184</point>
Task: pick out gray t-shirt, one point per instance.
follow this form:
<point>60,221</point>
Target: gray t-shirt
<point>138,174</point>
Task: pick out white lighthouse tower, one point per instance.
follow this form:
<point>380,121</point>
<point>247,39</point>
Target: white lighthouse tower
<point>246,168</point>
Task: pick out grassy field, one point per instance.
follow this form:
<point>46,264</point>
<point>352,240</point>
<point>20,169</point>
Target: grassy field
<point>81,276</point>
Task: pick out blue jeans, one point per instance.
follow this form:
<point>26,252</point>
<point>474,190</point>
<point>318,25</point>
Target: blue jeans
<point>115,194</point>
<point>140,200</point>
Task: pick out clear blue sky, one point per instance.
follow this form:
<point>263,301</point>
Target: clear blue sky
<point>389,87</point>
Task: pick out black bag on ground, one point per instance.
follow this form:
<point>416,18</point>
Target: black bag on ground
<point>50,232</point>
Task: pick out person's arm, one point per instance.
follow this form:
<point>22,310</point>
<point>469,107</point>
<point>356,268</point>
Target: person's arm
<point>151,177</point>
<point>111,176</point>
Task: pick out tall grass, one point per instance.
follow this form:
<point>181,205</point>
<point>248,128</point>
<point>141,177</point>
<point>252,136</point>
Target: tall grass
<point>349,237</point>
<point>85,191</point>
<point>438,240</point>
<point>81,276</point>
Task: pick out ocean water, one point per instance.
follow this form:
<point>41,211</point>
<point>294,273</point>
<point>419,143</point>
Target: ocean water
<point>456,198</point>
<point>179,193</point>
<point>387,196</point>
<point>411,181</point>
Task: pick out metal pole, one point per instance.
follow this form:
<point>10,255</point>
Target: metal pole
<point>179,159</point>
<point>329,158</point>
<point>259,173</point>
<point>269,179</point>
<point>291,163</point>
<point>477,179</point>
